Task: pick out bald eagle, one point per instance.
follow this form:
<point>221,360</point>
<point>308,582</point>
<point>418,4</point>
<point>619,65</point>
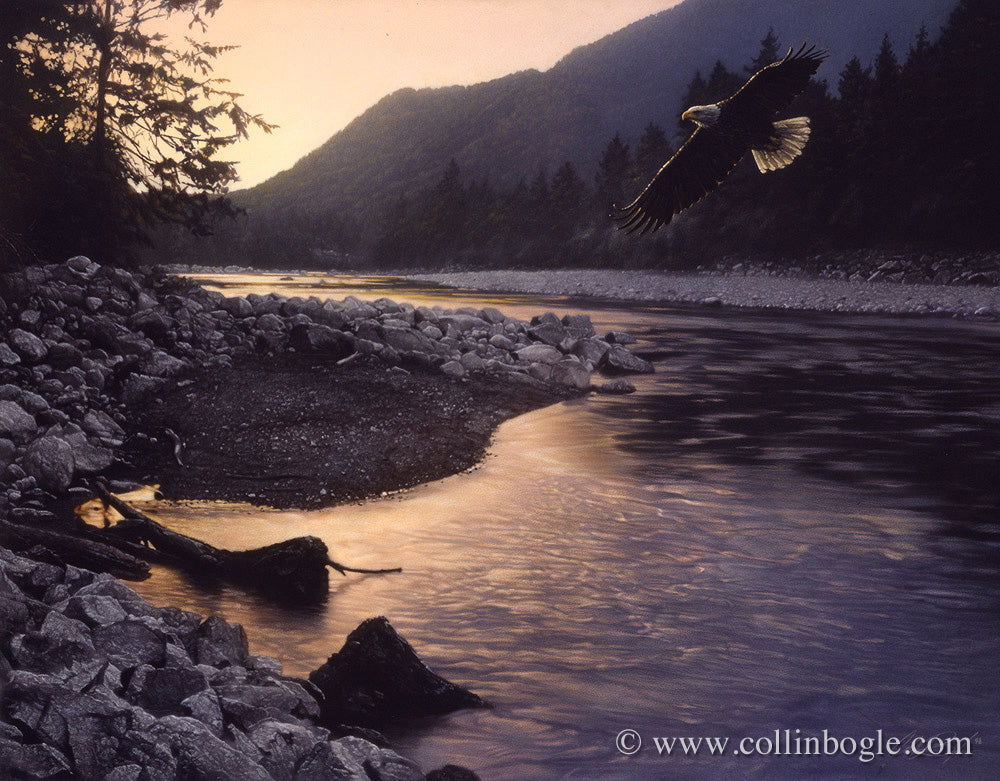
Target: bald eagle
<point>725,132</point>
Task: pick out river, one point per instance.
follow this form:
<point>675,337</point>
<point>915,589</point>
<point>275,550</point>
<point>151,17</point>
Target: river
<point>791,525</point>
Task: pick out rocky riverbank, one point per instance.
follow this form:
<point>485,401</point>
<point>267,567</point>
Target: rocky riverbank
<point>117,375</point>
<point>87,347</point>
<point>99,684</point>
<point>846,282</point>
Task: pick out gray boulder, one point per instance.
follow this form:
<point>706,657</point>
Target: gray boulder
<point>619,337</point>
<point>578,326</point>
<point>320,338</point>
<point>384,764</point>
<point>94,609</point>
<point>161,364</point>
<point>162,691</point>
<point>7,356</point>
<point>453,369</point>
<point>285,747</point>
<point>200,754</point>
<point>618,360</point>
<point>221,643</point>
<point>616,387</point>
<point>140,387</point>
<point>548,332</point>
<point>131,642</point>
<point>15,422</point>
<point>50,460</point>
<point>572,373</point>
<point>27,345</point>
<point>237,307</point>
<point>31,760</point>
<point>539,353</point>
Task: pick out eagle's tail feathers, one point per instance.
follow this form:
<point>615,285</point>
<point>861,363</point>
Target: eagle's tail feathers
<point>789,139</point>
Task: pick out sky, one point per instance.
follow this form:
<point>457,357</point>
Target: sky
<point>311,66</point>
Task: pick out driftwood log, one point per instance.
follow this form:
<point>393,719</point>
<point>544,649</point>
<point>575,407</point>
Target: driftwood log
<point>294,570</point>
<point>81,551</point>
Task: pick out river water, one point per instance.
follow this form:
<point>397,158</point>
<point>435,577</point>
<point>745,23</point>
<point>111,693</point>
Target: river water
<point>792,525</point>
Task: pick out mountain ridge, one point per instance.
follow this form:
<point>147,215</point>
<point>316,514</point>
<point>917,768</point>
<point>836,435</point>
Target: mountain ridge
<point>508,129</point>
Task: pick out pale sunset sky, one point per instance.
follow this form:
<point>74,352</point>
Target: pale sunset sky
<point>311,66</point>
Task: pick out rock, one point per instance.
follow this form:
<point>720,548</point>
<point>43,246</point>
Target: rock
<point>473,362</point>
<point>160,364</point>
<point>286,747</point>
<point>377,678</point>
<point>462,323</point>
<point>31,760</point>
<point>269,321</point>
<point>320,338</point>
<point>502,342</point>
<point>82,266</point>
<point>204,706</point>
<point>237,307</point>
<point>91,459</point>
<point>94,609</point>
<point>408,339</point>
<point>616,387</point>
<point>220,643</point>
<point>32,402</point>
<point>331,314</point>
<point>57,644</point>
<point>131,642</point>
<point>572,373</point>
<point>590,349</point>
<point>14,615</point>
<point>365,759</point>
<point>15,422</point>
<point>453,369</point>
<point>248,705</point>
<point>62,355</point>
<point>619,337</point>
<point>578,326</point>
<point>548,332</point>
<point>7,356</point>
<point>539,353</point>
<point>162,691</point>
<point>200,754</point>
<point>128,600</point>
<point>618,360</point>
<point>140,387</point>
<point>50,461</point>
<point>27,345</point>
<point>100,424</point>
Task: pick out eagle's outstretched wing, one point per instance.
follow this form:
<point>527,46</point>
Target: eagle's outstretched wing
<point>774,86</point>
<point>696,169</point>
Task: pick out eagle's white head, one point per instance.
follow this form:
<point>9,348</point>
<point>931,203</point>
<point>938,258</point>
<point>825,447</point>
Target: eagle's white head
<point>705,116</point>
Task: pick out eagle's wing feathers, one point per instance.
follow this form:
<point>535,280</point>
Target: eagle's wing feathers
<point>774,86</point>
<point>696,169</point>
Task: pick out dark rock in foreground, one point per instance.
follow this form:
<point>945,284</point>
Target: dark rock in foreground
<point>377,679</point>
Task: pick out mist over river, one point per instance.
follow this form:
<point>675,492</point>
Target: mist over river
<point>791,525</point>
